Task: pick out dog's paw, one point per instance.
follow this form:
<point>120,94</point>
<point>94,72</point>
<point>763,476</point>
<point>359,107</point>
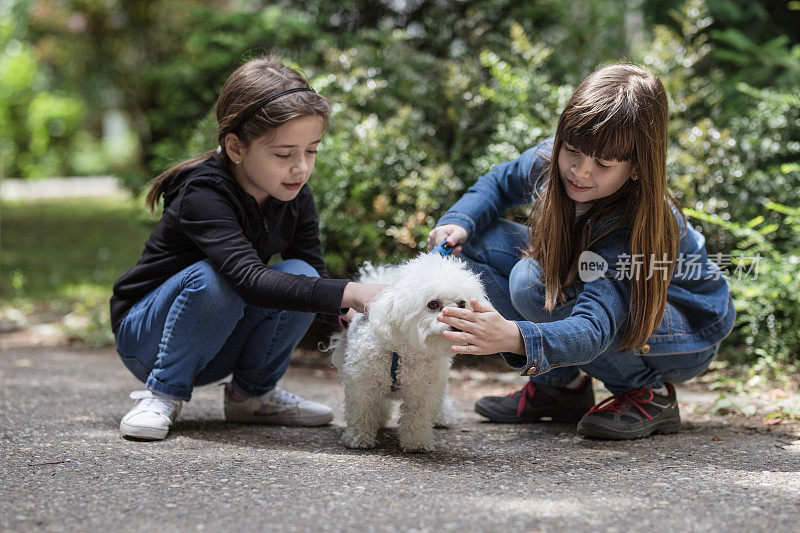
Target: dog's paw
<point>447,417</point>
<point>421,441</point>
<point>353,439</point>
<point>445,421</point>
<point>418,446</point>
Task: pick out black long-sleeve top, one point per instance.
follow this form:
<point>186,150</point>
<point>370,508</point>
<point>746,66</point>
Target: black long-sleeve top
<point>207,214</point>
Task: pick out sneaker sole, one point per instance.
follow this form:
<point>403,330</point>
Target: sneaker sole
<point>143,433</point>
<point>564,416</point>
<point>597,431</point>
<point>276,420</point>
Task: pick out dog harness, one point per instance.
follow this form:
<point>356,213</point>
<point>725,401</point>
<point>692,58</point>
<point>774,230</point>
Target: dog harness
<point>393,370</point>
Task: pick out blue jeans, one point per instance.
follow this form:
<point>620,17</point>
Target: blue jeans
<point>194,330</point>
<point>515,289</point>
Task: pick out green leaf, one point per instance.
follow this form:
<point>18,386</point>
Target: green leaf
<point>788,168</point>
<point>755,221</point>
<point>769,228</point>
<point>783,209</point>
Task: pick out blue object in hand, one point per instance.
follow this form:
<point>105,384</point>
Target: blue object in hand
<point>443,248</point>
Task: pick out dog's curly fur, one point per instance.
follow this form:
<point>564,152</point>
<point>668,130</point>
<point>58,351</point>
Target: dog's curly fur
<point>402,319</point>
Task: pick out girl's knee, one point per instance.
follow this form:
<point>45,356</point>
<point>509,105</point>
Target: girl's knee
<point>526,287</point>
<point>527,273</point>
<point>216,293</point>
<point>527,292</point>
<point>296,266</point>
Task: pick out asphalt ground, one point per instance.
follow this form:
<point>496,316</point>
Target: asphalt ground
<point>65,467</point>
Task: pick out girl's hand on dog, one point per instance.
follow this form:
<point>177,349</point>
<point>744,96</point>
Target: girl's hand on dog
<point>358,296</point>
<point>454,234</point>
<point>484,331</point>
<point>351,314</point>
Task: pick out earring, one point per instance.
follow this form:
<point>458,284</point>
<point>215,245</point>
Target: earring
<point>237,161</point>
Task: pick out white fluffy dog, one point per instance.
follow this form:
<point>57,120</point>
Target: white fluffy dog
<point>402,319</point>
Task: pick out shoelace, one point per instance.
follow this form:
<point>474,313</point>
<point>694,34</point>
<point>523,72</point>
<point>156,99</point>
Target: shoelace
<point>527,394</point>
<point>282,397</point>
<point>635,398</point>
<point>157,405</point>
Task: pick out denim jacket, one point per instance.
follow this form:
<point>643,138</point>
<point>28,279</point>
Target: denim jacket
<point>699,311</point>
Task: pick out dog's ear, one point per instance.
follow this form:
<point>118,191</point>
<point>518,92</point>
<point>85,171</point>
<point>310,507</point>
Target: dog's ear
<point>380,314</point>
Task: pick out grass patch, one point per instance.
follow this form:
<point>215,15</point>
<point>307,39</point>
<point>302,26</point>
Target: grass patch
<point>64,256</point>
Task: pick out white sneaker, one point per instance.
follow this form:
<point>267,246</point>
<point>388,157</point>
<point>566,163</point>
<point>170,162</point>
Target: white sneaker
<point>277,407</point>
<point>151,416</point>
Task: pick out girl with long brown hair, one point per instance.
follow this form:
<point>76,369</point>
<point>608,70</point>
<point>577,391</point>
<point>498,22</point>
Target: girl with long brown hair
<point>608,278</point>
<point>201,302</point>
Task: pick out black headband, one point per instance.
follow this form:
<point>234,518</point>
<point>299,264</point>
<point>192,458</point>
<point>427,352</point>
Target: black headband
<point>264,101</point>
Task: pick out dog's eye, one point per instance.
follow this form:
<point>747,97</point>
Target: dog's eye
<point>462,304</point>
<point>433,304</point>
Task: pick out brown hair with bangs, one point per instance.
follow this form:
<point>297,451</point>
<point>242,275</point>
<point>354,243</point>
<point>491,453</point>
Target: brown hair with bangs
<point>620,113</point>
<point>253,81</point>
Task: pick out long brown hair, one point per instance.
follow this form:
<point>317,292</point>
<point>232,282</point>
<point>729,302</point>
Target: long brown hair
<point>253,81</point>
<point>620,113</point>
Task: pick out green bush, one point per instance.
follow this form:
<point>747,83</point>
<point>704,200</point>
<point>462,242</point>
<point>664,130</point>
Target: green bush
<point>378,190</point>
<point>765,282</point>
<point>427,97</point>
<point>734,167</point>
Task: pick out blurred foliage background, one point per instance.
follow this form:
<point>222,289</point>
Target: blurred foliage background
<point>428,95</point>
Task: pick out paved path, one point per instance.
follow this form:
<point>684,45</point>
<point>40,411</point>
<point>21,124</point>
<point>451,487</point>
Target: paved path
<point>63,467</point>
<point>58,188</point>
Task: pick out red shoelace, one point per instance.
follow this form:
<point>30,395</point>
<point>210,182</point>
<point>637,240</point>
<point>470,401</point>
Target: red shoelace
<point>635,398</point>
<point>527,394</point>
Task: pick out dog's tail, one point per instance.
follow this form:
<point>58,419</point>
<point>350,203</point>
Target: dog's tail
<point>336,345</point>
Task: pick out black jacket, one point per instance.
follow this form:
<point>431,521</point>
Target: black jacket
<point>207,214</point>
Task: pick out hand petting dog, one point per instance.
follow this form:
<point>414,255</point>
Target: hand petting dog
<point>483,330</point>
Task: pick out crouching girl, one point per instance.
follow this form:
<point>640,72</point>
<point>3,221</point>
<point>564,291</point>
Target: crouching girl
<point>201,302</point>
<point>611,282</point>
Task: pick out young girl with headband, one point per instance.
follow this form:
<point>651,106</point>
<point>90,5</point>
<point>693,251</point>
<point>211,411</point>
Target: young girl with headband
<point>611,280</point>
<point>201,302</point>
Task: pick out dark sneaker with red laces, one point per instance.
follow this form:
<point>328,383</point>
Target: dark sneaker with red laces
<point>633,415</point>
<point>535,402</point>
